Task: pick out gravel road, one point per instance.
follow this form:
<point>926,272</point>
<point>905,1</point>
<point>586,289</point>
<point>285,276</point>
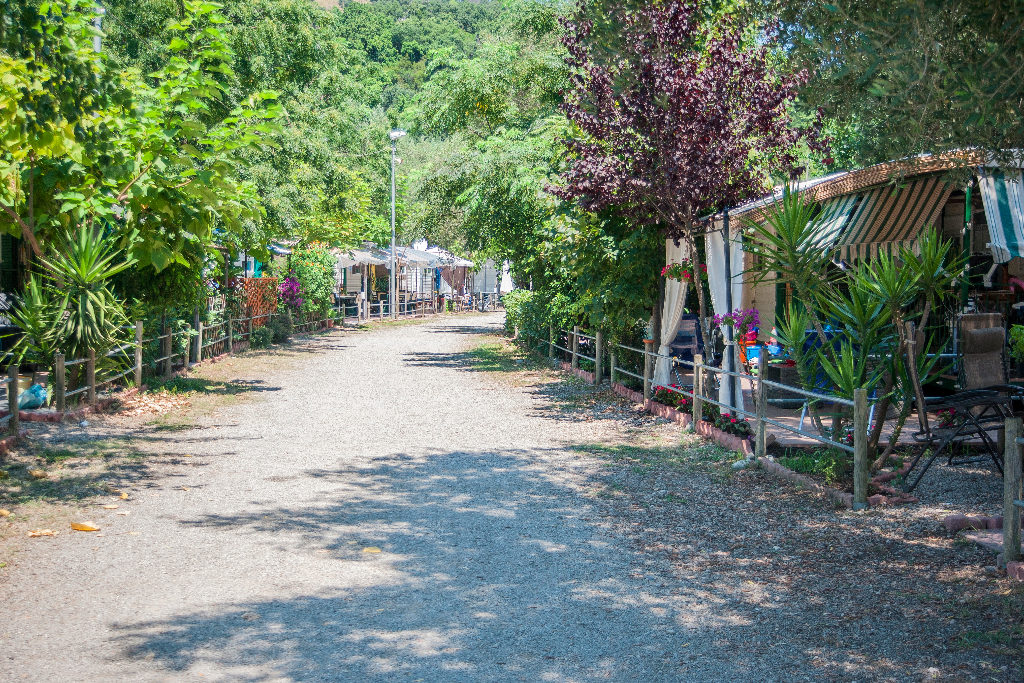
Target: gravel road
<point>375,506</point>
<point>257,558</point>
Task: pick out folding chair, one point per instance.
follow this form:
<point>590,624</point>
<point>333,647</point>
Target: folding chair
<point>981,407</point>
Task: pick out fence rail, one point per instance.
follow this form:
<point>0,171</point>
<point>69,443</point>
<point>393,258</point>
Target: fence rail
<point>699,395</point>
<point>205,341</point>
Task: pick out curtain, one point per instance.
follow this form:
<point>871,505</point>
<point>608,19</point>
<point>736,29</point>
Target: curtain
<point>730,391</point>
<point>671,314</point>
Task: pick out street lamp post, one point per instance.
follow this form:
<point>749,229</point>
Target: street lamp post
<point>393,284</point>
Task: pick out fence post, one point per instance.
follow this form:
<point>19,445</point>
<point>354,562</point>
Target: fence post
<point>90,376</point>
<point>612,377</point>
<point>1012,491</point>
<point>12,399</point>
<point>760,444</point>
<point>195,350</point>
<point>199,341</point>
<point>575,347</point>
<point>598,357</point>
<point>648,350</point>
<point>698,388</point>
<point>60,382</point>
<point>165,351</point>
<point>138,353</point>
<point>231,334</point>
<point>860,449</point>
<point>551,341</point>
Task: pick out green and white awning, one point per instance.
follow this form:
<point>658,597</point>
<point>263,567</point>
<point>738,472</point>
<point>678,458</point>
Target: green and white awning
<point>829,224</point>
<point>888,218</point>
<point>1003,196</point>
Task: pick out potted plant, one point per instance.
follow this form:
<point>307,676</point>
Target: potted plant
<point>684,271</point>
<point>744,322</point>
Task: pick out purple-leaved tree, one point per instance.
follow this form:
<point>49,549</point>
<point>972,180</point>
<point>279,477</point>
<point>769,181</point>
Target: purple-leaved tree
<point>681,118</point>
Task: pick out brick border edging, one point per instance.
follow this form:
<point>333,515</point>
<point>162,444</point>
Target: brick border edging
<point>705,429</point>
<point>890,496</point>
<point>958,522</point>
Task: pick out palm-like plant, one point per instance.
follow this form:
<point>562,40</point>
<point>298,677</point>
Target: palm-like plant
<point>79,273</point>
<point>785,244</point>
<point>36,314</point>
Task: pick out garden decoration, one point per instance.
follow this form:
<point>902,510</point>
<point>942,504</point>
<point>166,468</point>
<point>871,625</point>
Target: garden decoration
<point>684,271</point>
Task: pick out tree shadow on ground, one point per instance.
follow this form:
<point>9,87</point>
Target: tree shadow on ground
<point>201,385</point>
<point>492,569</point>
<point>489,570</point>
<point>486,358</point>
<point>478,330</point>
<point>77,472</point>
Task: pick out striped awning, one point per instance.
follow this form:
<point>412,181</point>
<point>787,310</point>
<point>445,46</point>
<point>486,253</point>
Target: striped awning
<point>887,218</point>
<point>829,224</point>
<point>1003,196</point>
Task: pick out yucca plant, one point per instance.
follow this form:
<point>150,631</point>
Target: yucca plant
<point>784,241</point>
<point>36,313</point>
<point>79,272</point>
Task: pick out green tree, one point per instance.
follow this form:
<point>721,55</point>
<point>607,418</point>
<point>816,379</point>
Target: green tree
<point>901,77</point>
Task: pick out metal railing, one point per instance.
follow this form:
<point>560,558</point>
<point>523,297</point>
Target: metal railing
<point>699,393</point>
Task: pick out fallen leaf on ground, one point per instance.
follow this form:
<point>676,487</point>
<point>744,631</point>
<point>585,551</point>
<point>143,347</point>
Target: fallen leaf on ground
<point>124,496</point>
<point>5,512</point>
<point>121,512</point>
<point>111,507</point>
<point>371,549</point>
<point>38,474</point>
<point>183,488</point>
<point>36,533</point>
<point>84,526</point>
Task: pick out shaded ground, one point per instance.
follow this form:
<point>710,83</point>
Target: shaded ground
<point>425,503</point>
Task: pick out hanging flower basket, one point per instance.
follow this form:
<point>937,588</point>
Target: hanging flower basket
<point>742,320</point>
<point>683,271</point>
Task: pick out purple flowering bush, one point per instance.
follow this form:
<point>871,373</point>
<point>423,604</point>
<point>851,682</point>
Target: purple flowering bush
<point>291,293</point>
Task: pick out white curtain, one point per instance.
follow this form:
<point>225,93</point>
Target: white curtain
<point>671,314</point>
<point>730,390</point>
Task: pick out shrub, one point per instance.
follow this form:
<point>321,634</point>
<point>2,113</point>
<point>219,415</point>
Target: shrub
<point>671,398</point>
<point>280,327</point>
<point>829,463</point>
<point>313,268</point>
<point>261,337</point>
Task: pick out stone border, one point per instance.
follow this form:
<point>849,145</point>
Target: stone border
<point>890,496</point>
<point>957,523</point>
<point>705,429</point>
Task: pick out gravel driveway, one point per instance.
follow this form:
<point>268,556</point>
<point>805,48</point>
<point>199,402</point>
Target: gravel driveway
<point>378,510</point>
<point>256,558</point>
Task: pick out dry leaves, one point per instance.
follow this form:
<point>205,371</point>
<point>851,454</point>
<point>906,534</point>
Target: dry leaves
<point>111,507</point>
<point>5,512</point>
<point>371,549</point>
<point>84,526</point>
<point>154,402</point>
<point>38,474</point>
<point>36,533</point>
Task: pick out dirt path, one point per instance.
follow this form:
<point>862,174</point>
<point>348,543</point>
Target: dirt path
<point>380,511</point>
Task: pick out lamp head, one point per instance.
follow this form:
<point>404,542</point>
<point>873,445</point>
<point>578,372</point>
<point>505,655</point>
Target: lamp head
<point>395,134</point>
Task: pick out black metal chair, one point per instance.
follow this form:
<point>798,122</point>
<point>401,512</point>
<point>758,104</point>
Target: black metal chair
<point>970,416</point>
